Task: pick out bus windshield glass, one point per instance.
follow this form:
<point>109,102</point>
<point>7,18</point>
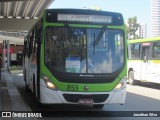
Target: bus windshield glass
<point>73,50</point>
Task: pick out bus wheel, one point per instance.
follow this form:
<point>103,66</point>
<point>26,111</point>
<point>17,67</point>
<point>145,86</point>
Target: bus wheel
<point>26,86</point>
<point>99,106</point>
<point>131,78</point>
<point>34,89</point>
<point>39,105</point>
<point>27,89</point>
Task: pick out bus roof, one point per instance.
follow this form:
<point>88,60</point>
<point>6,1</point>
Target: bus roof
<point>144,40</point>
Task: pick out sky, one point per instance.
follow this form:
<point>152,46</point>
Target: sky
<point>129,8</point>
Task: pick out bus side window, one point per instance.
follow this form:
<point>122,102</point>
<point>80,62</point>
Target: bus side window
<point>30,44</point>
<point>156,50</point>
<point>135,51</point>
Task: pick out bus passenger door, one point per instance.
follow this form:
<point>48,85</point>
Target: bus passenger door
<point>153,67</point>
<point>144,63</point>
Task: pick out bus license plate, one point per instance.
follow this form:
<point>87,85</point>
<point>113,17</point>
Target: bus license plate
<point>86,101</point>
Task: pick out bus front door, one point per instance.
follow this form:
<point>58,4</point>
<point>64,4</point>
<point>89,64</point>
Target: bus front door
<point>144,63</point>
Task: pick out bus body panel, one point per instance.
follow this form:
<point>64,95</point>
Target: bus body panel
<point>48,96</point>
<point>136,68</point>
<point>153,71</point>
<point>146,66</point>
<point>145,71</point>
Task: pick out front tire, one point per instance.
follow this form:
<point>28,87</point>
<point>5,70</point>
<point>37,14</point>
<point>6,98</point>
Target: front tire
<point>39,104</point>
<point>34,88</point>
<point>131,78</point>
<point>26,86</point>
<point>99,106</point>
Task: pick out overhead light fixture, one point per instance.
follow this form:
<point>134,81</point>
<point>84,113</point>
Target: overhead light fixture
<point>18,17</point>
<point>10,17</point>
<point>27,17</point>
<point>35,17</point>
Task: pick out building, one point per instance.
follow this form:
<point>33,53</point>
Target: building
<point>16,49</point>
<point>155,18</point>
<point>143,30</point>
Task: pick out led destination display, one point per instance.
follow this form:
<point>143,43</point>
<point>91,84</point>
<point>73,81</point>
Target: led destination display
<point>84,18</point>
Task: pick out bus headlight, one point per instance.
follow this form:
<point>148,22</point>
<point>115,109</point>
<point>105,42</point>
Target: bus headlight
<point>121,84</point>
<point>49,83</point>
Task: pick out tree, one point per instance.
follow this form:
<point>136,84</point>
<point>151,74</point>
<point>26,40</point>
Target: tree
<point>132,27</point>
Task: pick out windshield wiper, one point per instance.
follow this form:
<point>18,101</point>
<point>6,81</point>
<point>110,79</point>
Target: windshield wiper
<point>98,37</point>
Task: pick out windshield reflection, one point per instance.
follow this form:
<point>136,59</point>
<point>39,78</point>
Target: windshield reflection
<point>72,50</point>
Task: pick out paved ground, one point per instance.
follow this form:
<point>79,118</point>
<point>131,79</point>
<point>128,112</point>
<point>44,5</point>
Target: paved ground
<point>10,99</point>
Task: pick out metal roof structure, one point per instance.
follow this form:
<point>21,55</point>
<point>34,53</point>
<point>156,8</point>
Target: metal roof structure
<point>20,14</point>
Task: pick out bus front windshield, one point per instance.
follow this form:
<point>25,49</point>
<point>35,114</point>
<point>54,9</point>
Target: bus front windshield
<point>84,50</point>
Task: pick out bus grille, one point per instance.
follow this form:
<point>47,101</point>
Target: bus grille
<point>76,97</point>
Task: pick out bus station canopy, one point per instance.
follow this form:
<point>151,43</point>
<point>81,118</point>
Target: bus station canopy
<point>20,15</point>
<point>12,40</point>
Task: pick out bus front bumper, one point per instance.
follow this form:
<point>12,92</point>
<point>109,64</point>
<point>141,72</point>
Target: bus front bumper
<point>48,96</point>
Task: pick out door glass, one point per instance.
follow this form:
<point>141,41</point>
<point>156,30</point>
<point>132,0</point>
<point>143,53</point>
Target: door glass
<point>145,53</point>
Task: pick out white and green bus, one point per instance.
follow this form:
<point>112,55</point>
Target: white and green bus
<point>144,60</point>
<point>77,56</point>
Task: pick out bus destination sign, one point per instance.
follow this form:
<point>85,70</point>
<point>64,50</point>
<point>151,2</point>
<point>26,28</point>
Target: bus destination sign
<point>84,18</point>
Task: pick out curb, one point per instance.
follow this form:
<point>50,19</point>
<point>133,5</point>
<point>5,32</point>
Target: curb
<point>15,97</point>
<point>10,98</point>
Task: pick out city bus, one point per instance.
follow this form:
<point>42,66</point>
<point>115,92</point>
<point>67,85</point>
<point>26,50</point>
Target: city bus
<point>144,60</point>
<point>77,56</point>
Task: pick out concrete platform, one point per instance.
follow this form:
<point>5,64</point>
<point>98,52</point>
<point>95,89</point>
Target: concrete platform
<point>10,98</point>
